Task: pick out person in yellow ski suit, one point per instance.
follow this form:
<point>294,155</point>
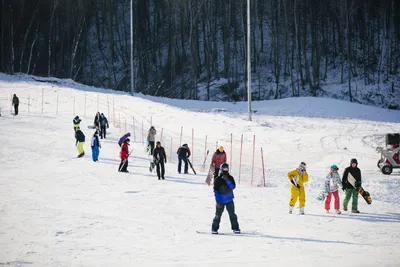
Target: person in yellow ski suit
<point>298,177</point>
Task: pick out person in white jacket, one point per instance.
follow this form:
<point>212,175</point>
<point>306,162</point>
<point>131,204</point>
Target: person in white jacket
<point>332,183</point>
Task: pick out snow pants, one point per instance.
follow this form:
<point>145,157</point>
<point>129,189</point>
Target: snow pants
<point>296,193</point>
<point>185,159</point>
<point>160,165</point>
<point>95,153</point>
<point>15,109</point>
<point>219,209</point>
<point>123,166</point>
<point>80,148</point>
<point>103,131</point>
<point>328,200</point>
<point>348,194</point>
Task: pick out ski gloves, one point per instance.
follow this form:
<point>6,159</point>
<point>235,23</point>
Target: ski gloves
<point>225,177</point>
<point>296,185</point>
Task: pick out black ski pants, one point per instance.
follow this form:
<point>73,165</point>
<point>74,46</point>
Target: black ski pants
<point>102,131</point>
<point>123,166</point>
<point>160,165</point>
<point>151,143</point>
<point>15,109</point>
<point>219,209</point>
<point>185,160</point>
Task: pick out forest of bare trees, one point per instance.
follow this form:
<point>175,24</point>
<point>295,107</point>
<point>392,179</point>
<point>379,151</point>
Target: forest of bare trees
<point>181,47</point>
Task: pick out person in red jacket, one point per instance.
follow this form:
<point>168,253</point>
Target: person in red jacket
<point>124,154</point>
<point>218,159</point>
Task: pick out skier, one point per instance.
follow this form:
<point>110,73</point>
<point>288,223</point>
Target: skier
<point>159,158</point>
<point>124,154</point>
<point>95,146</point>
<point>96,121</point>
<point>348,189</point>
<point>80,141</point>
<point>15,103</point>
<point>332,181</point>
<point>218,158</point>
<point>103,126</point>
<point>123,138</point>
<point>76,121</point>
<point>183,155</point>
<point>224,185</point>
<point>298,177</point>
<point>151,138</point>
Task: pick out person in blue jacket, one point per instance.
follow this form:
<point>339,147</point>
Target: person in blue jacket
<point>95,146</point>
<point>224,185</point>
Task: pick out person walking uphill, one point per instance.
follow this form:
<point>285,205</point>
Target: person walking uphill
<point>332,181</point>
<point>80,141</point>
<point>103,126</point>
<point>95,146</point>
<point>159,158</point>
<point>183,155</point>
<point>349,190</point>
<point>224,185</point>
<point>218,158</point>
<point>15,103</point>
<point>124,154</point>
<point>151,138</point>
<point>298,177</point>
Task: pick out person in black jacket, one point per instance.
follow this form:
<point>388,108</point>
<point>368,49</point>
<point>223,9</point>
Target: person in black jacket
<point>348,188</point>
<point>224,185</point>
<point>183,155</point>
<point>159,158</point>
<point>103,126</point>
<point>15,103</point>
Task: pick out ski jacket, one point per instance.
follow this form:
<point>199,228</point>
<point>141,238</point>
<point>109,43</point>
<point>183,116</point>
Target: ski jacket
<point>183,152</point>
<point>332,182</point>
<point>299,176</point>
<point>151,134</point>
<point>76,124</point>
<point>15,101</point>
<point>96,141</point>
<point>355,172</point>
<point>103,121</point>
<point>123,138</point>
<point>218,158</point>
<point>223,189</point>
<point>80,137</point>
<point>124,151</point>
<point>159,154</point>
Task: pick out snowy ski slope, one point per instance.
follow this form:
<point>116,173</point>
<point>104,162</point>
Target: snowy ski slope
<point>57,210</point>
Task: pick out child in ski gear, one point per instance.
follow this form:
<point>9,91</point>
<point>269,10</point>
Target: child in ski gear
<point>95,146</point>
<point>183,155</point>
<point>103,126</point>
<point>218,158</point>
<point>151,138</point>
<point>80,141</point>
<point>332,183</point>
<point>349,190</point>
<point>76,121</point>
<point>298,177</point>
<point>224,185</point>
<point>159,158</point>
<point>123,138</point>
<point>96,122</point>
<point>124,154</point>
<point>15,103</point>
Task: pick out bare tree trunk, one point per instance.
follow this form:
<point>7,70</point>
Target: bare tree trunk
<point>31,52</point>
<point>50,37</point>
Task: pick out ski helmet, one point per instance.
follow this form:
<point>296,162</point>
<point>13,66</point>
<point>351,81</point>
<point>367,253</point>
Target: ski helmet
<point>76,118</point>
<point>303,164</point>
<point>225,167</point>
<point>334,167</point>
<point>185,145</point>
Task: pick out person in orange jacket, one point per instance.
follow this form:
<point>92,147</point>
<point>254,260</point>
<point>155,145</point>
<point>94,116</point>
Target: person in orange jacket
<point>298,177</point>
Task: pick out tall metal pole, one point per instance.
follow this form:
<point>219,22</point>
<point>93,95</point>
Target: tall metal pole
<point>248,60</point>
<point>132,88</point>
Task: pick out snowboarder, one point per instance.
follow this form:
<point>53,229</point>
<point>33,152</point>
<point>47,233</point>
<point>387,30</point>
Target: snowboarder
<point>123,138</point>
<point>103,126</point>
<point>224,185</point>
<point>332,181</point>
<point>298,177</point>
<point>151,139</point>
<point>348,189</point>
<point>15,103</point>
<point>218,158</point>
<point>76,121</point>
<point>124,154</point>
<point>95,146</point>
<point>159,158</point>
<point>80,141</point>
<point>183,155</point>
<point>96,121</point>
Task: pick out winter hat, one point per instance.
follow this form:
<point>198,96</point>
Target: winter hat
<point>158,143</point>
<point>225,167</point>
<point>303,164</point>
<point>127,140</point>
<point>76,118</point>
<point>185,145</point>
<point>334,167</point>
<point>221,149</point>
<point>353,161</point>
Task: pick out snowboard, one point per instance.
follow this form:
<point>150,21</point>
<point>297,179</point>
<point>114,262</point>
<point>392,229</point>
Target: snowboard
<point>210,174</point>
<point>229,234</point>
<point>366,196</point>
<point>191,166</point>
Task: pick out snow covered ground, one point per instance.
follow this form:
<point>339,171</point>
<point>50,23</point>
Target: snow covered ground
<point>57,210</point>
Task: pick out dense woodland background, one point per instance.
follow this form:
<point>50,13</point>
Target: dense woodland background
<point>196,49</point>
